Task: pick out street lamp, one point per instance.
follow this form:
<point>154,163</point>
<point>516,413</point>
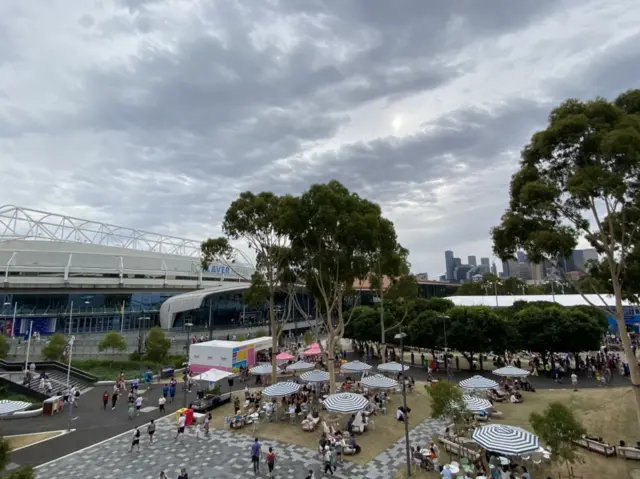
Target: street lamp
<point>186,374</point>
<point>401,337</point>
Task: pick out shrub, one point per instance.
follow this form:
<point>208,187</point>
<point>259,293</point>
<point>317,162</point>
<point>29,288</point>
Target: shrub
<point>261,333</point>
<point>4,347</point>
<point>157,345</point>
<point>55,347</point>
<point>308,338</point>
<point>113,341</point>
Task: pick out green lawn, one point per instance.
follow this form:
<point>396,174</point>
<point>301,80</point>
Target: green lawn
<point>110,370</point>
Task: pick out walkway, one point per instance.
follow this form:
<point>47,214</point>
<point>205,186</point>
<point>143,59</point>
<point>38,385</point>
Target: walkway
<point>224,455</point>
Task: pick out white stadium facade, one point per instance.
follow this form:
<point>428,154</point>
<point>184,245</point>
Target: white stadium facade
<point>62,272</point>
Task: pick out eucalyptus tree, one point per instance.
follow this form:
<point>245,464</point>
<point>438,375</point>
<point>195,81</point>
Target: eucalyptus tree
<point>580,178</point>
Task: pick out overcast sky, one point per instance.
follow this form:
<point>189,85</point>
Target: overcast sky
<point>155,114</point>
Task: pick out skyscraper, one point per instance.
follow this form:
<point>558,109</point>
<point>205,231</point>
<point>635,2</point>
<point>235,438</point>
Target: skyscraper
<point>450,264</point>
<point>472,260</point>
<point>485,261</point>
<point>457,262</point>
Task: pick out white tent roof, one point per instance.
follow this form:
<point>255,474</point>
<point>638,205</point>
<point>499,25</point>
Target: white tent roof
<point>258,343</point>
<point>213,375</point>
<point>561,299</point>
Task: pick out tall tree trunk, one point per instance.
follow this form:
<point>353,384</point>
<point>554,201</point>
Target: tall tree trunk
<point>331,359</point>
<point>626,346</point>
<point>383,343</point>
<point>274,338</point>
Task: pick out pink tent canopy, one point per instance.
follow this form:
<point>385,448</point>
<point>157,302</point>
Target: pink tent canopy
<point>284,356</point>
<point>313,346</point>
<point>312,352</point>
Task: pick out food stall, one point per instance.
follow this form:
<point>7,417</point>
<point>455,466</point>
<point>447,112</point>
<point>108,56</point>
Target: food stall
<point>226,355</point>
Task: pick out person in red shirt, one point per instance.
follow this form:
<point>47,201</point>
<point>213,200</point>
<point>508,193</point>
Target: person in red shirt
<point>105,400</point>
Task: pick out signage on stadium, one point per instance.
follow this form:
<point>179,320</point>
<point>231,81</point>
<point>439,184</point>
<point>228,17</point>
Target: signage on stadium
<point>219,269</point>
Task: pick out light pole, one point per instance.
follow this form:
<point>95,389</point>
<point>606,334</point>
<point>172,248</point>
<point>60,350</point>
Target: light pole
<point>401,337</point>
<point>70,345</point>
<point>186,373</point>
<point>26,361</point>
<point>446,355</point>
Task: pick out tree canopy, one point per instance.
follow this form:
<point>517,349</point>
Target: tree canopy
<point>579,178</point>
<point>157,345</point>
<point>114,341</point>
<point>55,347</point>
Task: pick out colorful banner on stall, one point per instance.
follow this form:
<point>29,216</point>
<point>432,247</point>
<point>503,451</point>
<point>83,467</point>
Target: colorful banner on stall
<point>243,357</point>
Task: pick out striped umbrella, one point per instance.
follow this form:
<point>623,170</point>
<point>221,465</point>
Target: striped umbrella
<point>476,404</point>
<point>356,367</point>
<point>345,403</point>
<point>281,389</point>
<point>379,382</point>
<point>300,366</point>
<point>316,376</point>
<point>511,372</point>
<point>509,440</point>
<point>261,370</point>
<point>478,382</point>
<point>392,367</point>
<point>9,407</point>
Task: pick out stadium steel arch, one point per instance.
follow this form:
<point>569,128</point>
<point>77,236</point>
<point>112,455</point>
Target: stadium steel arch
<point>24,223</point>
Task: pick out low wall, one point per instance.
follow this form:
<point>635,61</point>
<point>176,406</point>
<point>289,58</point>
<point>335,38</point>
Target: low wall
<point>40,365</point>
<point>16,388</point>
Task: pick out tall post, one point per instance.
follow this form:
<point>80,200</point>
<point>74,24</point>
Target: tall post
<point>186,375</point>
<point>553,290</point>
<point>122,317</point>
<point>68,390</point>
<point>71,319</point>
<point>210,320</point>
<point>401,336</point>
<point>13,323</point>
<point>26,361</point>
<point>495,286</point>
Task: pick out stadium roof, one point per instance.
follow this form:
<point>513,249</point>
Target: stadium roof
<point>562,299</point>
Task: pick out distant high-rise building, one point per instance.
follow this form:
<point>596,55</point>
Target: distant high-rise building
<point>494,269</point>
<point>443,277</point>
<point>422,276</point>
<point>589,254</point>
<point>457,262</point>
<point>450,264</point>
<point>485,261</point>
<point>472,260</point>
<point>511,269</point>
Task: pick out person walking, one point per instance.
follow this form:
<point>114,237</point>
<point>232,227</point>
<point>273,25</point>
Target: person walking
<point>574,380</point>
<point>182,421</point>
<point>172,392</point>
<point>271,461</point>
<point>207,420</point>
<point>105,400</point>
<point>138,405</point>
<point>183,474</point>
<point>162,475</point>
<point>114,399</point>
<point>135,440</point>
<point>327,460</point>
<point>151,429</point>
<point>161,403</point>
<point>256,449</point>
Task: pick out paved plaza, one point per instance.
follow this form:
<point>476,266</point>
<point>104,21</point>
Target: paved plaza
<point>224,455</point>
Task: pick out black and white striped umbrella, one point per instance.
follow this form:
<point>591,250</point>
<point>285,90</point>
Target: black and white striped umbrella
<point>261,370</point>
<point>9,407</point>
<point>509,440</point>
<point>281,389</point>
<point>392,367</point>
<point>300,366</point>
<point>345,403</point>
<point>316,376</point>
<point>379,382</point>
<point>478,382</point>
<point>511,372</point>
<point>356,367</point>
<point>475,404</point>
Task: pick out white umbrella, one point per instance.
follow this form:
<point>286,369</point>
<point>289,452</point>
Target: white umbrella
<point>300,366</point>
<point>9,407</point>
<point>281,389</point>
<point>345,403</point>
<point>509,440</point>
<point>316,376</point>
<point>215,375</point>
<point>476,404</point>
<point>355,367</point>
<point>511,372</point>
<point>392,367</point>
<point>261,370</point>
<point>379,382</point>
<point>478,382</point>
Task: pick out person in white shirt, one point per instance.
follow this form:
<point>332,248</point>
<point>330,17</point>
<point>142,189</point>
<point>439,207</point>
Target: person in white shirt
<point>514,399</point>
<point>400,415</point>
<point>138,405</point>
<point>181,424</point>
<point>161,402</point>
<point>574,381</point>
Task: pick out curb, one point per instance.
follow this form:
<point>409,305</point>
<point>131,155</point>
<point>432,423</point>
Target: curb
<point>23,414</point>
<point>129,381</point>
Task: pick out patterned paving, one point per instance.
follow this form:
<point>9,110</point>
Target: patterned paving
<point>224,455</point>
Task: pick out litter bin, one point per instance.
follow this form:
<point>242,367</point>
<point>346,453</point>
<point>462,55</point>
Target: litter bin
<point>166,372</point>
<point>52,405</point>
